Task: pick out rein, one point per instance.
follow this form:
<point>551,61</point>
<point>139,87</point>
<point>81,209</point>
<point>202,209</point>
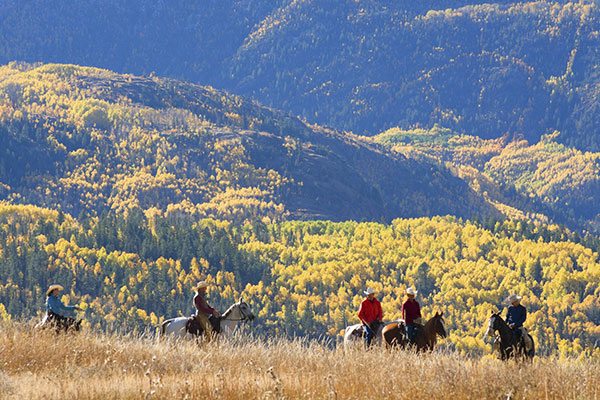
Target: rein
<point>225,316</point>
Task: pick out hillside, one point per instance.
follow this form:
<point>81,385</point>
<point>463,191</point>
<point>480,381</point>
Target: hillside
<point>478,68</point>
<point>535,181</point>
<point>304,278</point>
<point>87,140</point>
<point>95,366</point>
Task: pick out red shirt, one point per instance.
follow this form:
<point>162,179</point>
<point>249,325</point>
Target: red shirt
<point>202,305</point>
<point>411,310</point>
<point>370,310</point>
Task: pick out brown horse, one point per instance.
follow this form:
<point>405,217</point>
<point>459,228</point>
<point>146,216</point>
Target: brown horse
<point>394,334</point>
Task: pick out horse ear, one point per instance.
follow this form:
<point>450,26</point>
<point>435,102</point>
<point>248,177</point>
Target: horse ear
<point>241,300</point>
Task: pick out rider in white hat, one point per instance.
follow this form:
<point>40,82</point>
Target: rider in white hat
<point>411,313</point>
<point>204,312</point>
<point>516,316</point>
<point>371,315</point>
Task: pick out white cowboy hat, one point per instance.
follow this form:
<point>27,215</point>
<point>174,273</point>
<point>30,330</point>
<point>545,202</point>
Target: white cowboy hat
<point>369,291</point>
<point>412,291</point>
<point>512,298</point>
<point>201,285</point>
<point>53,288</point>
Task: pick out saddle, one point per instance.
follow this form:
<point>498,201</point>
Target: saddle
<point>402,328</point>
<point>193,326</point>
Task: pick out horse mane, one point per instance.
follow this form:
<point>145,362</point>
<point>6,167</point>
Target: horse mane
<point>230,309</point>
<point>499,317</point>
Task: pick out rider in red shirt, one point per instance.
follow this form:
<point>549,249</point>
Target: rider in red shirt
<point>411,311</point>
<point>371,315</point>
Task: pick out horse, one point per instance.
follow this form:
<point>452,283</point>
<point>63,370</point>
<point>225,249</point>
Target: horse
<point>59,323</point>
<point>505,342</point>
<point>238,312</point>
<point>355,333</point>
<point>394,334</point>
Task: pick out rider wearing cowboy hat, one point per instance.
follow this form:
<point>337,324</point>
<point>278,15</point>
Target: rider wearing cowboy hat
<point>203,310</point>
<point>55,308</point>
<point>411,313</point>
<point>371,315</point>
<point>516,316</point>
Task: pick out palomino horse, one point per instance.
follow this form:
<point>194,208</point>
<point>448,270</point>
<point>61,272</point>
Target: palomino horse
<point>394,334</point>
<point>505,342</point>
<point>355,334</point>
<point>238,312</point>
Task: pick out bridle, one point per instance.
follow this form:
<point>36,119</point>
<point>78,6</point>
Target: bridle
<point>244,318</point>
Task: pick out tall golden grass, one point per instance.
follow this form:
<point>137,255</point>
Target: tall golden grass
<point>36,365</point>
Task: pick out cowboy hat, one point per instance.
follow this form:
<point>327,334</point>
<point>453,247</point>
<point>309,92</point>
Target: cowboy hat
<point>53,288</point>
<point>201,285</point>
<point>412,291</point>
<point>512,298</point>
<point>369,291</point>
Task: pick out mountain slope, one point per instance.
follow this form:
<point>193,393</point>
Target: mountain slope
<point>87,140</point>
<point>518,67</point>
<point>542,179</point>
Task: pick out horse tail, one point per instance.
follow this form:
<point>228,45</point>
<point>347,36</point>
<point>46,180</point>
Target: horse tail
<point>163,327</point>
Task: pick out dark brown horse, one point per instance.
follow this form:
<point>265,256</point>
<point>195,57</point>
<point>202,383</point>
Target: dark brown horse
<point>394,334</point>
<point>59,323</point>
<point>505,341</point>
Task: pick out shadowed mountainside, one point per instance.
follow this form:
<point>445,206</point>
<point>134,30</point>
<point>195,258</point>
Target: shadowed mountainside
<point>485,69</point>
<point>86,140</point>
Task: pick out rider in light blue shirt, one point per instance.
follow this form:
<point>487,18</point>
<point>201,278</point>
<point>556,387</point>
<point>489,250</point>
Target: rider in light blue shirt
<point>56,306</point>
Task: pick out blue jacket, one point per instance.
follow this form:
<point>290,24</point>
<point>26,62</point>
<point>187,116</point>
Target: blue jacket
<point>54,304</point>
<point>516,315</point>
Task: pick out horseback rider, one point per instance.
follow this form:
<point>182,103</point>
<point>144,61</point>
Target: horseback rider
<point>56,310</point>
<point>411,313</point>
<point>204,312</point>
<point>371,315</point>
<point>515,318</point>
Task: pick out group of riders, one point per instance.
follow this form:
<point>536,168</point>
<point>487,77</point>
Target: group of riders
<point>370,314</point>
<point>61,316</point>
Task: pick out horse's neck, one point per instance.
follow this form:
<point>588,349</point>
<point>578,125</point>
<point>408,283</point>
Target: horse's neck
<point>429,327</point>
<point>504,329</point>
<point>229,320</point>
<point>429,330</point>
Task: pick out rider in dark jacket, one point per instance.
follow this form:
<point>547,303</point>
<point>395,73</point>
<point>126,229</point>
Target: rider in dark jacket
<point>516,315</point>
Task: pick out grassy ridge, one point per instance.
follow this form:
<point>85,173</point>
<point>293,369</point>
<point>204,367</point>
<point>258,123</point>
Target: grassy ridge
<point>91,366</point>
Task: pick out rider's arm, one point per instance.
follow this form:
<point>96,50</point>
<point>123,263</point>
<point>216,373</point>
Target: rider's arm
<point>202,305</point>
<point>361,314</point>
<point>57,306</point>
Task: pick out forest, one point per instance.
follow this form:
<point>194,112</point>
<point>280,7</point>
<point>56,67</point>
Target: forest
<point>304,278</point>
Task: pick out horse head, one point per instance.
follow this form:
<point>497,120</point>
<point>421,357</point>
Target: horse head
<point>439,324</point>
<point>244,310</point>
<point>494,323</point>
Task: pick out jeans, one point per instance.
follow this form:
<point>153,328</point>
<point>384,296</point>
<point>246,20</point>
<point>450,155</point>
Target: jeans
<point>371,331</point>
<point>411,332</point>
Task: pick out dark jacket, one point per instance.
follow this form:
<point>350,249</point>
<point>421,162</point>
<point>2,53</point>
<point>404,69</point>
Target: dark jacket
<point>516,315</point>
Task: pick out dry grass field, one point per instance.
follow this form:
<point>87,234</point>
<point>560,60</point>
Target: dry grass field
<point>95,366</point>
